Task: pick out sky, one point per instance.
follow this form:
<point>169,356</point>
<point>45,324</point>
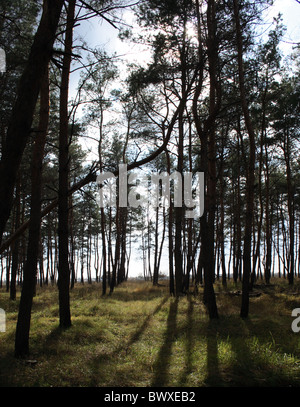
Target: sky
<point>290,10</point>
<point>100,34</point>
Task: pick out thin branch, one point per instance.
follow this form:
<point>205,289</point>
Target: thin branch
<point>98,13</point>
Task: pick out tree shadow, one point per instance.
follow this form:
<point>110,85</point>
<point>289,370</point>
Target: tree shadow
<point>254,361</point>
<point>242,370</point>
<point>135,337</point>
<point>162,363</point>
<point>98,363</point>
<point>189,344</point>
<point>213,377</point>
<point>49,346</point>
<point>266,370</point>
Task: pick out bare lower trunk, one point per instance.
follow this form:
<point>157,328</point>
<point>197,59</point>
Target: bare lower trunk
<point>250,170</point>
<point>29,273</point>
<point>63,201</point>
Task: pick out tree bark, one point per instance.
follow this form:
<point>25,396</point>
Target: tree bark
<point>290,201</point>
<point>92,176</point>
<point>207,138</point>
<point>250,169</point>
<point>23,110</point>
<point>170,233</point>
<point>30,268</point>
<point>63,203</point>
<point>16,245</point>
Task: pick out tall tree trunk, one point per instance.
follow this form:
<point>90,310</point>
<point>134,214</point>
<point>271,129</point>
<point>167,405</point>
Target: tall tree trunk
<point>122,268</point>
<point>190,222</point>
<point>72,241</point>
<point>116,262</point>
<point>268,221</point>
<point>291,254</point>
<point>170,233</point>
<point>250,169</point>
<point>178,211</point>
<point>207,138</point>
<point>30,268</point>
<point>16,245</point>
<point>103,217</point>
<point>63,202</point>
<point>261,217</point>
<point>222,215</point>
<point>104,257</point>
<point>155,262</point>
<point>211,156</point>
<point>23,110</point>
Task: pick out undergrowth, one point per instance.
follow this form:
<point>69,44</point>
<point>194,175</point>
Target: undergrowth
<point>140,336</point>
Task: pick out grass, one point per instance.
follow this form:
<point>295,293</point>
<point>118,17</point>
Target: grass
<point>140,336</point>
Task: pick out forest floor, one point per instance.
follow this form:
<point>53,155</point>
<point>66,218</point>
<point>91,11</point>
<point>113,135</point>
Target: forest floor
<point>140,336</point>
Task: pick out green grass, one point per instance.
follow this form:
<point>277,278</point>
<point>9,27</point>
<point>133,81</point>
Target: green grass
<point>140,336</point>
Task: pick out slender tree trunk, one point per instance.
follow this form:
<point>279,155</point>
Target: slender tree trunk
<point>122,271</point>
<point>250,170</point>
<point>72,241</point>
<point>16,245</point>
<point>179,214</point>
<point>170,234</point>
<point>23,110</point>
<point>63,203</point>
<point>207,138</point>
<point>149,243</point>
<point>104,257</point>
<point>30,268</point>
<point>155,266</point>
<point>190,223</point>
<point>211,156</point>
<point>116,262</point>
<point>291,252</point>
<point>8,265</point>
<point>41,261</point>
<point>268,222</point>
<point>96,259</point>
<point>222,218</point>
<point>162,240</point>
<point>237,216</point>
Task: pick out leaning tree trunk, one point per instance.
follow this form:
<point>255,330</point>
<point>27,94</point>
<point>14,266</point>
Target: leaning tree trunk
<point>22,114</point>
<point>30,268</point>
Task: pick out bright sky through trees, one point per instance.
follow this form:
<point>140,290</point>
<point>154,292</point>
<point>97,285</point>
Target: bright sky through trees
<point>100,34</point>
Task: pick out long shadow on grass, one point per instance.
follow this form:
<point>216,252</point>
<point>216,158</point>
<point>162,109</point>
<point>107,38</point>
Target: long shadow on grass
<point>162,363</point>
<point>213,377</point>
<point>189,344</point>
<point>270,363</point>
<point>124,348</point>
<point>254,362</point>
<point>240,370</point>
<point>136,336</point>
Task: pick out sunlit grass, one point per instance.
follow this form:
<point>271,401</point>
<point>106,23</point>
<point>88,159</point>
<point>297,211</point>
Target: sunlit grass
<point>140,336</point>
